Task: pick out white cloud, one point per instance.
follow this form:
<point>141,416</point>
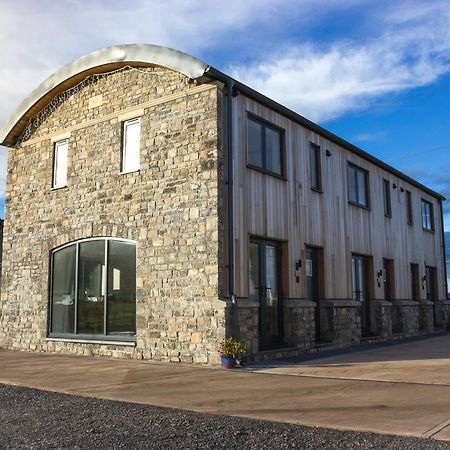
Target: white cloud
<point>324,83</point>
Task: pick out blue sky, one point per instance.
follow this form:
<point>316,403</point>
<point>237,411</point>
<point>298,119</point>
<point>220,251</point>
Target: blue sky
<point>375,73</point>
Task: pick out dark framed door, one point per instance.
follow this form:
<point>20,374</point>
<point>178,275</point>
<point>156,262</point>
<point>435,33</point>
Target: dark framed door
<point>360,291</point>
<point>265,287</point>
<point>430,282</point>
<point>312,285</point>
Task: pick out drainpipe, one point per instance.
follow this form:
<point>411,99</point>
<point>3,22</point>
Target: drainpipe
<point>443,248</point>
<point>230,85</point>
<point>234,305</point>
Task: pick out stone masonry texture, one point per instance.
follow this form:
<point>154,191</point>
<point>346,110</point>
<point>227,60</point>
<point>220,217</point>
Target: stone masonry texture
<point>170,208</point>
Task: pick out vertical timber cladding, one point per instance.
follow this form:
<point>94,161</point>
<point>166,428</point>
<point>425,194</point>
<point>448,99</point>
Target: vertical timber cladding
<point>169,207</point>
<point>290,212</point>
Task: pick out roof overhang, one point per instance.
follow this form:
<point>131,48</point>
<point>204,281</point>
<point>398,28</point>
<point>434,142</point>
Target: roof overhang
<point>100,61</point>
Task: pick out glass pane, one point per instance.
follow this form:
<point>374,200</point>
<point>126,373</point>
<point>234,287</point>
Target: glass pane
<point>60,169</point>
<point>354,280</point>
<point>361,181</point>
<point>272,290</point>
<point>253,272</point>
<point>63,290</point>
<point>255,150</point>
<point>131,153</point>
<point>352,190</point>
<point>273,151</point>
<point>91,287</point>
<point>313,168</point>
<point>121,312</point>
<point>361,279</point>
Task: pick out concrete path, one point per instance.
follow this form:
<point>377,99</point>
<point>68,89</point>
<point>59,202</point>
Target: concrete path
<point>401,389</point>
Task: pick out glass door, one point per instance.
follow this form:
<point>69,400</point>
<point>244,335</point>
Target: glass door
<point>360,291</point>
<point>312,285</point>
<point>264,287</point>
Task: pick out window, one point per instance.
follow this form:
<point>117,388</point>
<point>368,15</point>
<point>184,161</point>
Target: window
<point>387,198</point>
<point>93,290</point>
<point>359,278</point>
<point>315,168</point>
<point>264,147</point>
<point>357,186</point>
<point>409,210</point>
<point>131,145</point>
<point>427,216</point>
<point>60,163</point>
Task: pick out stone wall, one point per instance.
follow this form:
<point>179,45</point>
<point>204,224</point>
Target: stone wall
<point>170,208</point>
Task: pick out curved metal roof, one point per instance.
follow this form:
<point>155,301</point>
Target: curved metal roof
<point>98,61</point>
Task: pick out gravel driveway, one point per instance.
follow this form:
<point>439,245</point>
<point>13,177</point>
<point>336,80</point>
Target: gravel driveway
<point>32,419</point>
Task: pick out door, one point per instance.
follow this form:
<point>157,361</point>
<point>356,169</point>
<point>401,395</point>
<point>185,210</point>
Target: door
<point>360,291</point>
<point>388,272</point>
<point>312,285</point>
<point>264,286</point>
<point>430,281</point>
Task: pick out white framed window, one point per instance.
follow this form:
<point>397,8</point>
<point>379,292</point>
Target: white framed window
<point>427,216</point>
<point>131,145</point>
<point>60,163</point>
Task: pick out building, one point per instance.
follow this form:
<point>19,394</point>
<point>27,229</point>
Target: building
<point>156,205</point>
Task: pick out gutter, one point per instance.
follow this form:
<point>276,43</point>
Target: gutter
<point>288,113</point>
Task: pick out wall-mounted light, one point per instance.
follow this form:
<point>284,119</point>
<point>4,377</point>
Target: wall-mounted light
<point>328,153</point>
<point>402,190</point>
<point>394,186</point>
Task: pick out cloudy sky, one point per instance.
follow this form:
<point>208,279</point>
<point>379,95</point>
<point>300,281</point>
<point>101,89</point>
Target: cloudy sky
<point>375,73</point>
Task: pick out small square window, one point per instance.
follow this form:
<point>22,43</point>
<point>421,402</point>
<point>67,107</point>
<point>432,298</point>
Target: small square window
<point>357,186</point>
<point>60,150</point>
<point>131,145</point>
<point>427,216</point>
<point>264,147</point>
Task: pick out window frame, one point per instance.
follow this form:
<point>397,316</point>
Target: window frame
<point>409,208</point>
<point>425,226</point>
<point>357,169</point>
<point>85,336</point>
<point>281,132</point>
<point>387,198</point>
<point>55,166</point>
<point>123,152</point>
<point>314,156</point>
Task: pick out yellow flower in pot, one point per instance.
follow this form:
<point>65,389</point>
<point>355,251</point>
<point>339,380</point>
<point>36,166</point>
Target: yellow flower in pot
<point>229,350</point>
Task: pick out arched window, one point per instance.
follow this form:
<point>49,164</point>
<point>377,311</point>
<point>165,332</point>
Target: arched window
<point>93,290</point>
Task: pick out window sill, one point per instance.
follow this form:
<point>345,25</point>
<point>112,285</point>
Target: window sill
<point>131,343</point>
<point>319,191</point>
<point>266,172</point>
<point>358,205</point>
<point>57,188</point>
<point>129,171</point>
<point>388,216</point>
<point>428,230</point>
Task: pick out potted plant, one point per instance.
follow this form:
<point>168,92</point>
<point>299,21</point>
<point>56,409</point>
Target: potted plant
<point>229,350</point>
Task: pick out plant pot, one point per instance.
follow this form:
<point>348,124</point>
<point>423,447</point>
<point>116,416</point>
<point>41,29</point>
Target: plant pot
<point>228,361</point>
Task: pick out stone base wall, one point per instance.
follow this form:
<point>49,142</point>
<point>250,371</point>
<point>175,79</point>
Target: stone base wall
<point>340,324</point>
<point>407,316</point>
<point>442,314</point>
<point>383,318</point>
<point>299,323</point>
<point>426,319</point>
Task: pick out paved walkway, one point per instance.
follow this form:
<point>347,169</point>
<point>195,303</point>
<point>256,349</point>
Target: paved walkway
<point>399,389</point>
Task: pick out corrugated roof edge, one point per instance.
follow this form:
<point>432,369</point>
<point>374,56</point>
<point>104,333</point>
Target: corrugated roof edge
<point>283,110</point>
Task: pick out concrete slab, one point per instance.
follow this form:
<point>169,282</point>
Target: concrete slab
<point>404,408</point>
<point>424,361</point>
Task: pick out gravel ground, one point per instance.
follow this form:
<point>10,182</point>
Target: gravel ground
<point>32,419</point>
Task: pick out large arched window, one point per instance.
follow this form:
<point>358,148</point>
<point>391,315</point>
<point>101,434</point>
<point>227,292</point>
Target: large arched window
<point>93,290</point>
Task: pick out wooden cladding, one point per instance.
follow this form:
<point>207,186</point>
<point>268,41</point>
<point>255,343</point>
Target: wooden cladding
<point>288,210</point>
